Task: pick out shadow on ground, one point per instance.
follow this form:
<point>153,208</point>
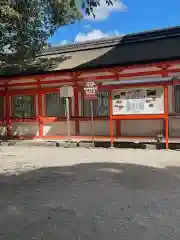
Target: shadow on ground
<point>91,201</point>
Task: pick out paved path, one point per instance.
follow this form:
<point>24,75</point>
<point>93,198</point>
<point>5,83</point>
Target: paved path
<point>65,194</point>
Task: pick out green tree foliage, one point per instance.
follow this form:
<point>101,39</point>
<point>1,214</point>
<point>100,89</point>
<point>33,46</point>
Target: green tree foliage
<point>89,5</point>
<point>26,25</point>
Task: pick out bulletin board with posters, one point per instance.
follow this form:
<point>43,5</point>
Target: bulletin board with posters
<point>138,101</point>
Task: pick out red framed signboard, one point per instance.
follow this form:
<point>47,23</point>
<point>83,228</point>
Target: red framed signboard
<point>90,90</point>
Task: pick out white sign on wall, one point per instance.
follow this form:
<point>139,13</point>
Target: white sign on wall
<point>138,101</point>
<point>66,91</point>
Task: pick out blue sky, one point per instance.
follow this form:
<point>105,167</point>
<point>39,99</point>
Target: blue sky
<point>126,16</point>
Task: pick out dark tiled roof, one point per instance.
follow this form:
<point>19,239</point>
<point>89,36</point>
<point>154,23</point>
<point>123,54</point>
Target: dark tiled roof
<point>145,47</point>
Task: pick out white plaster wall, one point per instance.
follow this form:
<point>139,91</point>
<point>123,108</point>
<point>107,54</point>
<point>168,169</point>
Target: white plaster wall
<point>133,128</point>
<point>58,128</point>
<point>101,128</point>
<point>25,129</point>
<point>174,127</point>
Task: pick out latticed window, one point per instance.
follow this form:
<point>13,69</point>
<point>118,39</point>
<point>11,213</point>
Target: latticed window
<point>23,106</point>
<point>1,107</point>
<point>55,106</point>
<point>177,98</point>
<point>100,105</point>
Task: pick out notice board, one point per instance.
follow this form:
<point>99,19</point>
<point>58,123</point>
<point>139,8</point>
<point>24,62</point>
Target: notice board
<point>138,101</point>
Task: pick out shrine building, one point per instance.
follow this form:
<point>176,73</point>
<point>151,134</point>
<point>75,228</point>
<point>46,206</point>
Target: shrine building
<point>138,82</point>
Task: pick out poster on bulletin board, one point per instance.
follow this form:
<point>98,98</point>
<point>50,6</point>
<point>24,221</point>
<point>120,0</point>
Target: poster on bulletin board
<point>138,101</point>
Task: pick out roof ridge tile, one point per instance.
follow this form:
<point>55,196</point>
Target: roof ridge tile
<point>112,41</point>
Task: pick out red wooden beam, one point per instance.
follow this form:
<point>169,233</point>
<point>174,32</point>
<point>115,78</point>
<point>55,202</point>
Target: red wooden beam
<point>173,70</point>
<point>111,76</point>
<point>77,74</point>
<point>23,92</point>
<point>36,77</point>
<point>134,117</point>
<point>42,82</point>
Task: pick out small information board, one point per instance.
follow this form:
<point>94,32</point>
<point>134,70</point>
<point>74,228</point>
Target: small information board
<point>90,90</point>
<point>66,91</point>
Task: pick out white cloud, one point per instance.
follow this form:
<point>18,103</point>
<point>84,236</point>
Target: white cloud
<point>95,34</point>
<point>64,42</point>
<point>103,11</point>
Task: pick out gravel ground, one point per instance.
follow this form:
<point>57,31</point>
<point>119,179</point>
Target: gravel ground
<point>69,194</point>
